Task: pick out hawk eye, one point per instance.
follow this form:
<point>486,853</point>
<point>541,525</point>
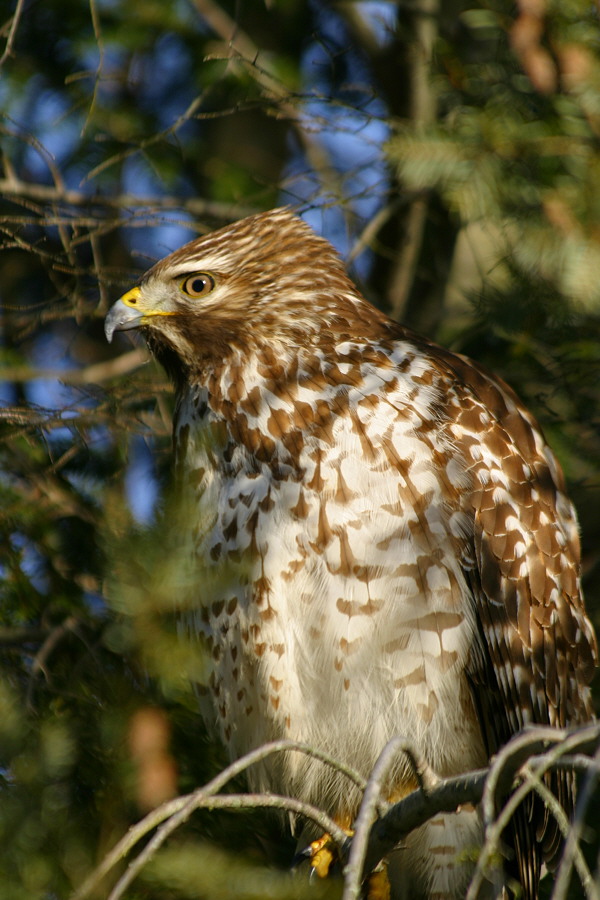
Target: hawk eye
<point>198,285</point>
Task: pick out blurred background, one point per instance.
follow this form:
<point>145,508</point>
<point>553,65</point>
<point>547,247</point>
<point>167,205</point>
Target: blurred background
<point>449,150</point>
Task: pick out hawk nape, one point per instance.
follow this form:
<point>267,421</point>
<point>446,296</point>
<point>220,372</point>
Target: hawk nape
<point>412,558</point>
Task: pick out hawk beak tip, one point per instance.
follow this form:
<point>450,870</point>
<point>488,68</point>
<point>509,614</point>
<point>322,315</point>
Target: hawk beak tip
<point>121,318</point>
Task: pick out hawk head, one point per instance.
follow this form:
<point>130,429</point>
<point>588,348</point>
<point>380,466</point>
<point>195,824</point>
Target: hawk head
<point>267,279</point>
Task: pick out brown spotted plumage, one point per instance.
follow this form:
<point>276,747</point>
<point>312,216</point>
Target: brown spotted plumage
<point>386,539</point>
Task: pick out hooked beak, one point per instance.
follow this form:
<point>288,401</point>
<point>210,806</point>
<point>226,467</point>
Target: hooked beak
<point>129,312</point>
<point>124,315</point>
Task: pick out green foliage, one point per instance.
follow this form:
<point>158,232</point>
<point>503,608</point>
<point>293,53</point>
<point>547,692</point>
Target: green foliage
<point>515,152</point>
<point>196,872</point>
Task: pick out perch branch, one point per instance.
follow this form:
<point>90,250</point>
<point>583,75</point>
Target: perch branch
<point>426,779</point>
<point>178,810</point>
<point>526,759</point>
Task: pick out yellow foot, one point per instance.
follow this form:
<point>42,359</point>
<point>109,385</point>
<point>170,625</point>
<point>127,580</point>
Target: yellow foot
<point>323,854</point>
<point>378,884</point>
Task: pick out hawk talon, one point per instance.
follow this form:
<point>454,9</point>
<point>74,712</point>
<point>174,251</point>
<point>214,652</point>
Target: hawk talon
<point>323,855</point>
<point>301,856</point>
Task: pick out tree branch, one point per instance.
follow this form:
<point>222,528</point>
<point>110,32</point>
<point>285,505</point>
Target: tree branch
<point>572,853</point>
<point>425,17</point>
<point>359,845</point>
<point>175,812</point>
<point>14,187</point>
<point>12,31</point>
<point>20,637</point>
<point>526,757</point>
<point>111,368</point>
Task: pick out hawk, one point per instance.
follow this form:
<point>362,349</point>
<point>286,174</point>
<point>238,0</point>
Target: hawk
<point>397,551</point>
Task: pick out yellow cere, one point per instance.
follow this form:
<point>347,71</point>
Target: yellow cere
<point>131,297</point>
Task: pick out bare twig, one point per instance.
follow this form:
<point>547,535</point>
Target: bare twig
<point>373,226</point>
<point>111,368</point>
<point>572,852</point>
<point>20,637</point>
<point>147,142</point>
<point>425,15</point>
<point>53,639</point>
<point>451,793</point>
<point>406,267</point>
<point>532,740</point>
<point>19,133</point>
<point>417,808</point>
<point>13,31</point>
<point>426,779</point>
<point>98,74</point>
<point>14,187</point>
<point>176,811</point>
<point>532,777</point>
<point>373,841</point>
<point>242,49</point>
<point>198,800</point>
<point>508,761</point>
<point>511,759</point>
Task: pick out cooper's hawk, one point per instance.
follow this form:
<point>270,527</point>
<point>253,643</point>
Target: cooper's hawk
<point>396,549</point>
